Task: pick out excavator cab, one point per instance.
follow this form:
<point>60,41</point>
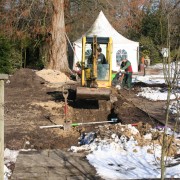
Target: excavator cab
<point>95,76</point>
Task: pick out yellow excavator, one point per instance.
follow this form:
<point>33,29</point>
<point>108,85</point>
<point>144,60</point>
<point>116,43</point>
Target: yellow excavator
<point>95,77</point>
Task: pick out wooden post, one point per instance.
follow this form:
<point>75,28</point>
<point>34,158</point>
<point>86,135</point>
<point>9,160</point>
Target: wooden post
<point>2,78</point>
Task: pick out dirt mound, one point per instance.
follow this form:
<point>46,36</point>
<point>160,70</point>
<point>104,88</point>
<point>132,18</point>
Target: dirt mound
<point>53,76</point>
<point>28,78</point>
<point>150,138</point>
<point>25,78</point>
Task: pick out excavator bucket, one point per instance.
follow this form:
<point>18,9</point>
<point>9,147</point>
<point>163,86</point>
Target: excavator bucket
<point>93,93</point>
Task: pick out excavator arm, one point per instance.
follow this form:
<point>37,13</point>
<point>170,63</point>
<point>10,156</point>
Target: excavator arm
<point>96,78</point>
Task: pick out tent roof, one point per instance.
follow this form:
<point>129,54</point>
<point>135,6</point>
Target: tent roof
<point>103,28</point>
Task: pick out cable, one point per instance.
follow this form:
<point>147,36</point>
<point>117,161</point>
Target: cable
<point>71,46</point>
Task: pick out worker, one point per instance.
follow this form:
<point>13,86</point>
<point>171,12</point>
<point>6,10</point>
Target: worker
<point>78,69</point>
<point>121,75</point>
<point>77,72</point>
<point>127,70</point>
<point>117,80</point>
<point>142,60</point>
<point>90,57</point>
<point>101,67</point>
<point>101,58</point>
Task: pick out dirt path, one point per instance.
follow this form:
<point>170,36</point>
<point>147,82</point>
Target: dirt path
<point>155,110</point>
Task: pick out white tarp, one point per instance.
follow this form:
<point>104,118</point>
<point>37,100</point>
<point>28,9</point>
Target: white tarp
<point>121,45</point>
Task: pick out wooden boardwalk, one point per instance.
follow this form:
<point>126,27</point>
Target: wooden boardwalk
<point>52,165</point>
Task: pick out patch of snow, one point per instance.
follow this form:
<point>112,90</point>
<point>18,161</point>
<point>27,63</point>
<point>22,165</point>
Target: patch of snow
<point>149,79</point>
<point>121,158</point>
<point>10,157</point>
<point>118,87</point>
<point>156,66</point>
<point>156,94</point>
<point>29,149</point>
<point>7,173</point>
<point>132,129</point>
<point>174,107</point>
<point>148,136</point>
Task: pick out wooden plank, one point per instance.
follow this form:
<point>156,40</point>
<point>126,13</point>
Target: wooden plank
<point>1,129</point>
<point>52,164</point>
<point>3,76</point>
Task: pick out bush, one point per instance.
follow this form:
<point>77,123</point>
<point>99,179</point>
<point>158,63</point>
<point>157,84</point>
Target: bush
<point>147,45</point>
<point>13,56</point>
<point>174,55</point>
<point>10,56</point>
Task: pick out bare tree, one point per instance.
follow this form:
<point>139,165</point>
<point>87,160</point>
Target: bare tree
<point>171,78</point>
<point>122,14</point>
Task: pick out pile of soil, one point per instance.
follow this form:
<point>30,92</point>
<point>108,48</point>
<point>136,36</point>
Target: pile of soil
<point>141,132</point>
<point>33,100</point>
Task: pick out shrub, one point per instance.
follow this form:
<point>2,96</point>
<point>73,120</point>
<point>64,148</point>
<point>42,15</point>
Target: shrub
<point>147,45</point>
<point>10,56</point>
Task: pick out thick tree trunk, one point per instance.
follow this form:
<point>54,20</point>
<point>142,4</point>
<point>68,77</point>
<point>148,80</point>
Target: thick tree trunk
<point>58,46</point>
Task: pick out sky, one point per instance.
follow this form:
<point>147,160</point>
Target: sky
<point>121,157</point>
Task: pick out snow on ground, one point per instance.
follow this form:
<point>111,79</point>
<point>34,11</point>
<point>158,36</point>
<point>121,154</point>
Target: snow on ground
<point>174,107</point>
<point>160,66</point>
<point>156,66</point>
<point>149,79</point>
<point>9,159</point>
<point>159,78</point>
<point>120,157</point>
<point>155,94</point>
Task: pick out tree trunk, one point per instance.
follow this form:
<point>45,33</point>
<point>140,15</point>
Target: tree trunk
<point>58,46</point>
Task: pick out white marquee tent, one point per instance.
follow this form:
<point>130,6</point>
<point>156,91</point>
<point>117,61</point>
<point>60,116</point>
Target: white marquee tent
<point>121,45</point>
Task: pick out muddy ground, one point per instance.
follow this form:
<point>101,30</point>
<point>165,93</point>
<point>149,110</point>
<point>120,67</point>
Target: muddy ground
<point>30,103</point>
